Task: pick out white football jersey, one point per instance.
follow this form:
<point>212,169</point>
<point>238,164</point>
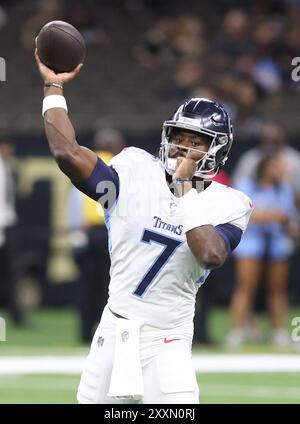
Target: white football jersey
<point>154,275</point>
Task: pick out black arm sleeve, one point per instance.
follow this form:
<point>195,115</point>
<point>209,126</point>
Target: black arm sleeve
<point>230,234</point>
<point>102,185</point>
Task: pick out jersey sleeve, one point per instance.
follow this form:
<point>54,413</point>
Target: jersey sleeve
<point>230,234</point>
<point>102,185</point>
<point>237,209</point>
<point>241,216</point>
<point>226,205</point>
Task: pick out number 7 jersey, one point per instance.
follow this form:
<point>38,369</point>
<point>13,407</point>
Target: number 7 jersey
<point>154,276</point>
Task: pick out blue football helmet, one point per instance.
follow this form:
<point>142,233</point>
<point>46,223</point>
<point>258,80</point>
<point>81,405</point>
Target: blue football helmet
<point>202,116</point>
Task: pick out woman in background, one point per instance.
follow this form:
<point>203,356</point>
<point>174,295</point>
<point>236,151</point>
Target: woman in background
<point>268,241</point>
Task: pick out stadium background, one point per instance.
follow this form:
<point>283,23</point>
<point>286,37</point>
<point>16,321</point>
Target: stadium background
<point>143,58</point>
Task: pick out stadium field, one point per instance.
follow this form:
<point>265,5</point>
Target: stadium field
<point>223,388</point>
<point>56,331</point>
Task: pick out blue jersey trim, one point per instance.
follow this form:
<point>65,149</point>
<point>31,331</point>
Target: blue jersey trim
<point>101,173</point>
<point>231,235</point>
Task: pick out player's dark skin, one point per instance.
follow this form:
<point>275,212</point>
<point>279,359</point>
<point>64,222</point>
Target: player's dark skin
<point>78,162</point>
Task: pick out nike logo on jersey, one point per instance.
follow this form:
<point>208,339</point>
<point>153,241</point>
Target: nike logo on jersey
<point>169,340</point>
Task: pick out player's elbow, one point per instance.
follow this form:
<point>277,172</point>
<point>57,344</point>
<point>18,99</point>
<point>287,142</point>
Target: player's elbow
<point>208,248</point>
<point>65,159</point>
<point>212,259</point>
<point>210,255</point>
<point>62,156</point>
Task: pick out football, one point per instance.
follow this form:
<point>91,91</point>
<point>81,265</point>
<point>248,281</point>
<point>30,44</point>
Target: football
<point>60,46</point>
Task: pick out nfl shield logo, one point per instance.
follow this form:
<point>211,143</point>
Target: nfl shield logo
<point>125,336</point>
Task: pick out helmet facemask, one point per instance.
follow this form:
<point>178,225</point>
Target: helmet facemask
<point>209,165</point>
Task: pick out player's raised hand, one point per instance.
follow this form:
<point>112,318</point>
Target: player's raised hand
<point>186,168</point>
<point>49,75</point>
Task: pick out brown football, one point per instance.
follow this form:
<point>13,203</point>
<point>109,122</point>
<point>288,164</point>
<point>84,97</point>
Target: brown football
<point>60,46</point>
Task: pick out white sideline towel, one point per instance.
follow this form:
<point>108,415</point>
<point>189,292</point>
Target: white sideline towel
<point>127,378</point>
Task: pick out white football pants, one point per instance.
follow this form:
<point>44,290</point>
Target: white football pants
<point>168,374</point>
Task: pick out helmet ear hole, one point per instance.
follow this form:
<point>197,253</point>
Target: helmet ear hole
<point>168,132</point>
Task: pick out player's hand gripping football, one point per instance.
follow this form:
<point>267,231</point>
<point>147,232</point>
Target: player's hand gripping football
<point>186,167</point>
<point>49,75</point>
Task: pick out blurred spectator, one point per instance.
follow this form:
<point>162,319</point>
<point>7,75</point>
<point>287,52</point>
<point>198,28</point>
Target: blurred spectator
<point>89,240</point>
<point>172,39</point>
<point>189,39</point>
<point>204,91</point>
<point>8,277</point>
<point>188,75</point>
<point>155,48</point>
<point>266,73</point>
<point>267,36</point>
<point>246,117</point>
<point>245,97</point>
<point>8,214</point>
<point>225,92</point>
<point>234,37</point>
<point>81,14</point>
<point>46,11</point>
<point>268,42</point>
<point>3,17</point>
<point>268,240</point>
<point>273,140</point>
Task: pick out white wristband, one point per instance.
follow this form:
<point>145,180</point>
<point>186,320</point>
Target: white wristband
<point>52,101</point>
<point>193,214</point>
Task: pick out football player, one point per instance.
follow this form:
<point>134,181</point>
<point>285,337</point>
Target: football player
<point>169,225</point>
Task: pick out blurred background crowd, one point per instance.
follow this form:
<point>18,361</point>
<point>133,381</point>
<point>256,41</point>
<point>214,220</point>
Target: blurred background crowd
<point>144,57</point>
